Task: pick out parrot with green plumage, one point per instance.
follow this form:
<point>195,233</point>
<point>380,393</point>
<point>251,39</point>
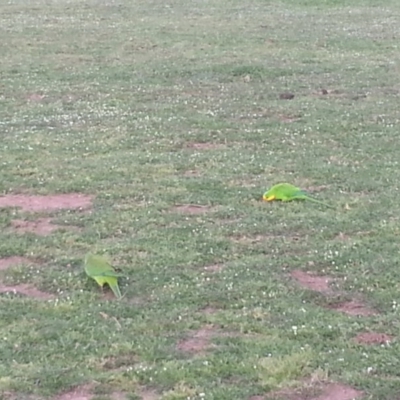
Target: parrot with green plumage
<point>98,268</point>
<point>289,192</point>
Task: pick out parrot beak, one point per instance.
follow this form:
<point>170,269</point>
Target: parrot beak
<point>268,198</point>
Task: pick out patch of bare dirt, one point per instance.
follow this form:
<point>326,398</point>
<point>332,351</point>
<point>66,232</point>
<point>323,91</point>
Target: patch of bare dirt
<point>261,238</point>
<point>13,261</point>
<point>191,173</point>
<point>331,92</point>
<point>15,396</point>
<point>84,393</point>
<point>289,118</point>
<point>251,239</point>
<point>118,396</point>
<point>209,310</point>
<point>36,97</point>
<point>286,96</point>
<point>342,236</point>
<point>214,268</point>
<point>26,290</point>
<point>330,391</point>
<point>313,282</point>
<point>337,391</point>
<point>192,209</point>
<point>40,226</point>
<point>148,394</point>
<point>354,308</point>
<point>205,146</point>
<point>78,393</point>
<point>373,338</point>
<point>32,203</point>
<point>198,341</point>
<point>257,398</point>
<point>106,293</point>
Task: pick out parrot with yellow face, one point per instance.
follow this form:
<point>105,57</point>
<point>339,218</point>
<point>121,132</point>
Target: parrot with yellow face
<point>289,192</point>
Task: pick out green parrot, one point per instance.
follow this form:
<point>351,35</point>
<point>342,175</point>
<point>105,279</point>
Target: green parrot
<point>98,268</point>
<point>289,192</point>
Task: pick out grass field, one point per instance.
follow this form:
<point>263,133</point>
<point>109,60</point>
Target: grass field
<point>172,119</point>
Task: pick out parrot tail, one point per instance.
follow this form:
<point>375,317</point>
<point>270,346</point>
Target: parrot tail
<point>115,288</point>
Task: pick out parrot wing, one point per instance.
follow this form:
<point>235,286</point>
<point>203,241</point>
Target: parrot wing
<point>97,265</point>
<point>281,191</point>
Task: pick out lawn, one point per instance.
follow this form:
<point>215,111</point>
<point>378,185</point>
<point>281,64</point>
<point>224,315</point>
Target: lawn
<point>148,131</point>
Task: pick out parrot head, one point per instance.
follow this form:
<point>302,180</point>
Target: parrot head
<point>268,197</point>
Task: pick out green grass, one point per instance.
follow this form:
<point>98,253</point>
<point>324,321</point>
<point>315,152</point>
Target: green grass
<point>127,88</point>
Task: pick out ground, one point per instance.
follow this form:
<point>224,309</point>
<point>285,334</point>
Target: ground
<point>148,132</point>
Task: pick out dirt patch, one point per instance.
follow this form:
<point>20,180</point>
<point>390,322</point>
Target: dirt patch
<point>205,146</point>
<point>41,226</point>
<point>289,118</point>
<point>337,391</point>
<point>36,97</point>
<point>209,310</point>
<point>83,393</point>
<point>192,173</point>
<point>286,96</point>
<point>148,394</point>
<point>331,391</point>
<point>257,398</point>
<point>355,308</point>
<point>313,282</point>
<point>262,238</point>
<point>251,240</point>
<point>214,268</point>
<point>192,209</point>
<point>8,262</point>
<point>26,290</point>
<point>118,396</point>
<point>198,342</point>
<point>47,203</point>
<point>15,396</point>
<point>331,92</point>
<point>342,237</point>
<point>106,293</point>
<point>78,393</point>
<point>373,338</point>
